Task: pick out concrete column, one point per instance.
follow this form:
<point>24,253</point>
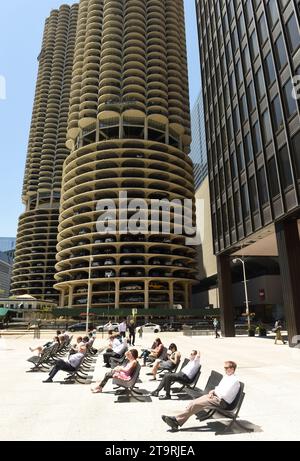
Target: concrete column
<point>146,129</point>
<point>71,291</point>
<point>146,294</point>
<point>171,291</point>
<point>289,260</point>
<point>117,294</point>
<point>167,134</point>
<point>186,295</point>
<point>121,128</point>
<point>97,131</point>
<point>62,298</point>
<point>225,291</point>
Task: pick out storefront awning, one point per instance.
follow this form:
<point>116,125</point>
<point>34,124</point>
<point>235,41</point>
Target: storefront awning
<point>4,311</point>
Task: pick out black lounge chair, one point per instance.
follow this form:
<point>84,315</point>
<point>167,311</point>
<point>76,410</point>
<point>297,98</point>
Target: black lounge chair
<point>130,386</point>
<point>231,412</point>
<point>193,382</point>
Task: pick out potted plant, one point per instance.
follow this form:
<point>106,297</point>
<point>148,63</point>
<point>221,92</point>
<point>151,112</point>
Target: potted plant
<point>261,330</point>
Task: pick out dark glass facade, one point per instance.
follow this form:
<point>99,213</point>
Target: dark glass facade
<point>250,54</point>
<point>250,51</point>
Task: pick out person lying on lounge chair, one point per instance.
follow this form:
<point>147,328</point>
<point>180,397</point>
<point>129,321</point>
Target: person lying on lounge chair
<point>124,373</point>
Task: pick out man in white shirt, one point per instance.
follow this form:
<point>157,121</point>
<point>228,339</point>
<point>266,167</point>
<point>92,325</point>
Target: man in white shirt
<point>222,396</point>
<point>69,365</point>
<point>185,376</point>
<point>123,328</point>
<point>119,347</point>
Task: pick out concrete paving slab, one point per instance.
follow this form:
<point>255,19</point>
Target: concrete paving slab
<point>32,410</point>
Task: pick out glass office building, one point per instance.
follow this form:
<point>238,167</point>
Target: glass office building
<point>198,146</point>
<point>7,244</point>
<point>250,55</point>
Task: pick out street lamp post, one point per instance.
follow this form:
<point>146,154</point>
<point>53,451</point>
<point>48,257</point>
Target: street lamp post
<point>88,305</point>
<point>108,275</point>
<point>246,291</point>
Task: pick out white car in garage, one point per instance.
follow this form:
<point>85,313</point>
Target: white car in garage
<point>149,328</point>
<point>108,326</point>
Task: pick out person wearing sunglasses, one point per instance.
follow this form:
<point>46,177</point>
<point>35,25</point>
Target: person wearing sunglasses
<point>222,396</point>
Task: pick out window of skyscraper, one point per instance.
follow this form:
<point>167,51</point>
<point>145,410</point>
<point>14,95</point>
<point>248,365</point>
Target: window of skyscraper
<point>227,172</point>
<point>236,120</point>
<point>260,84</point>
<point>280,52</point>
<point>251,96</point>
<point>290,104</point>
<point>235,40</point>
<point>257,145</point>
<point>277,113</point>
<point>232,85</point>
<point>225,24</point>
<point>296,153</point>
<point>283,3</point>
<point>253,194</point>
<point>285,168</point>
<point>248,11</point>
<point>245,200</point>
<point>273,178</point>
<point>293,33</point>
<point>229,129</point>
<point>272,12</point>
<point>241,26</point>
<point>262,29</point>
<point>266,127</point>
<point>240,157</point>
<point>246,59</point>
<point>248,148</point>
<point>243,108</point>
<point>222,179</point>
<point>233,164</point>
<point>253,45</point>
<point>262,186</point>
<point>239,73</point>
<point>228,52</point>
<point>256,3</point>
<point>230,212</point>
<point>270,69</point>
<point>225,218</point>
<point>226,95</point>
<point>237,207</point>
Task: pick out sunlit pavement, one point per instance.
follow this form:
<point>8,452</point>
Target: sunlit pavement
<point>32,410</point>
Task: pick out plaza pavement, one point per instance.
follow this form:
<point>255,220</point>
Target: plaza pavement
<point>32,410</point>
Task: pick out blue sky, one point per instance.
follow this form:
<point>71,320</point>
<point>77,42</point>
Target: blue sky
<point>21,29</point>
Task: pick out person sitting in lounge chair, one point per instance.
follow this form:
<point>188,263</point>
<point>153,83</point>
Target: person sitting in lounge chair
<point>124,373</point>
<point>222,396</point>
<point>169,364</point>
<point>41,349</point>
<point>154,353</point>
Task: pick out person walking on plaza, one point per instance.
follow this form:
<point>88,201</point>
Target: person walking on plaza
<point>123,328</point>
<point>141,332</point>
<point>216,327</point>
<point>277,330</point>
<point>222,396</point>
<point>131,329</point>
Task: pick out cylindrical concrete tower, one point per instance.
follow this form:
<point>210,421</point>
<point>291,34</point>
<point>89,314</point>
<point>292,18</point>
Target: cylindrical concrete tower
<point>34,265</point>
<point>129,133</point>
